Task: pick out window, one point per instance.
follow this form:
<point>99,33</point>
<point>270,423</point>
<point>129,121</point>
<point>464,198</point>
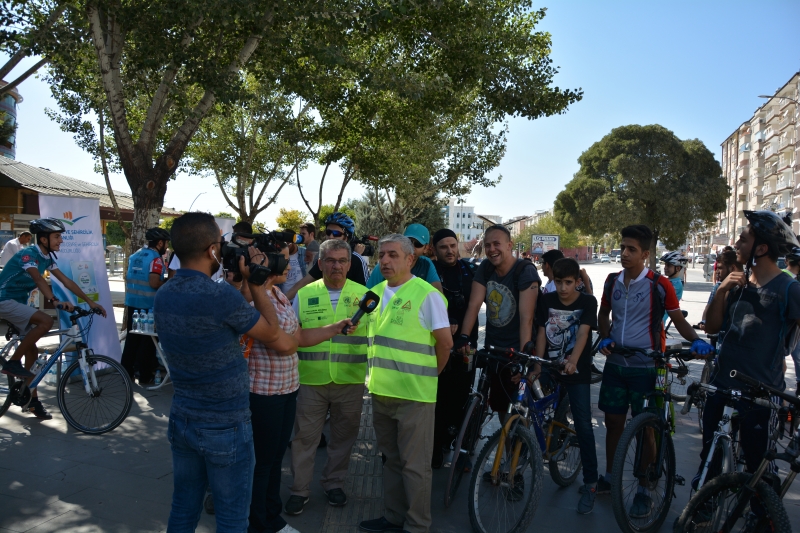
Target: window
<point>469,215</point>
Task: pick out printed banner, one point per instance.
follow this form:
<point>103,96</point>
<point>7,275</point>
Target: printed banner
<point>82,259</point>
<point>225,226</point>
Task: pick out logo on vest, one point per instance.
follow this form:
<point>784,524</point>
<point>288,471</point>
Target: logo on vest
<point>406,306</point>
<point>347,300</point>
<point>396,302</point>
<point>313,301</point>
<point>617,294</point>
<point>397,319</point>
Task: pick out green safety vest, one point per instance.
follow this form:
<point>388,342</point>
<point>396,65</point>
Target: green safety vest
<point>402,357</point>
<point>343,359</point>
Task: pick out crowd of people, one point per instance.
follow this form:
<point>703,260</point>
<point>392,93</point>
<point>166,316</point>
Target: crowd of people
<point>260,363</point>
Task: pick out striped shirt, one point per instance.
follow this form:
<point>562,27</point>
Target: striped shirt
<point>272,374</point>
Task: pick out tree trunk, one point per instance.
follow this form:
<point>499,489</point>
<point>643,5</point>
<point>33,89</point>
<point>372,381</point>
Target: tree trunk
<point>148,190</point>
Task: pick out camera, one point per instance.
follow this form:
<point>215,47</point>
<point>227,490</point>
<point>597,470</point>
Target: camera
<point>369,249</point>
<point>270,244</point>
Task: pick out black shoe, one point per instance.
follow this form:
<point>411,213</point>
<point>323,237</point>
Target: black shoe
<point>295,505</point>
<point>336,497</point>
<point>379,524</point>
<point>15,368</point>
<point>437,460</point>
<point>35,406</point>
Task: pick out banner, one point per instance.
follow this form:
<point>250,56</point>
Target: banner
<point>225,226</point>
<point>82,258</point>
<point>544,243</point>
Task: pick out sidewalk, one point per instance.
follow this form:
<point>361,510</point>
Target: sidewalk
<point>53,479</point>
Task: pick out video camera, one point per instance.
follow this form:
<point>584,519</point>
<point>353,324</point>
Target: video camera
<point>369,250</point>
<point>270,244</point>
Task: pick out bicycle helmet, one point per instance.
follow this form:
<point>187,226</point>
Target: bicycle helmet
<point>156,234</point>
<point>45,226</point>
<point>340,219</point>
<point>794,255</point>
<point>770,229</point>
<point>674,258</point>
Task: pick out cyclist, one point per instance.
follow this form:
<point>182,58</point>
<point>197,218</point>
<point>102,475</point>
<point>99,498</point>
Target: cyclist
<point>759,311</point>
<point>21,275</point>
<point>674,264</point>
<point>636,299</point>
<point>337,226</point>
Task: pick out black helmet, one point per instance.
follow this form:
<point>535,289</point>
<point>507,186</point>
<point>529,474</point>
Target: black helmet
<point>156,234</point>
<point>793,255</point>
<point>46,226</point>
<point>768,228</point>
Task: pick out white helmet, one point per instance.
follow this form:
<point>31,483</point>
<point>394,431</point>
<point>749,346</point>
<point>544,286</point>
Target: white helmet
<point>674,258</point>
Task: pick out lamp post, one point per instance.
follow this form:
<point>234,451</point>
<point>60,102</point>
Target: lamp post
<point>195,199</point>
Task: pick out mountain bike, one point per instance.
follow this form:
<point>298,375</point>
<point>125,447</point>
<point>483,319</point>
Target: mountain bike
<point>740,501</point>
<point>506,480</point>
<point>94,394</point>
<point>645,455</point>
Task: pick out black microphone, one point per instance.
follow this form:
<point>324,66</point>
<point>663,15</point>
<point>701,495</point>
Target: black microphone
<point>367,305</point>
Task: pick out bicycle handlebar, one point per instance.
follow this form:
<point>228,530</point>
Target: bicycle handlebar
<point>680,353</point>
<point>735,374</point>
<point>511,353</point>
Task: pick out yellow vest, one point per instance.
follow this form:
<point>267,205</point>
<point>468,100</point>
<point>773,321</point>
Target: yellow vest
<point>402,356</point>
<point>343,359</point>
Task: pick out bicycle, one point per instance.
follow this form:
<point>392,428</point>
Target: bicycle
<point>506,480</point>
<point>727,502</point>
<point>94,394</point>
<point>645,455</point>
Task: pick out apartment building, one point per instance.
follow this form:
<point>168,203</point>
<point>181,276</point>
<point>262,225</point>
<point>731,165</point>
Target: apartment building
<point>759,163</point>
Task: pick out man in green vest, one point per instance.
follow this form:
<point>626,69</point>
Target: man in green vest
<point>332,377</point>
<point>411,345</point>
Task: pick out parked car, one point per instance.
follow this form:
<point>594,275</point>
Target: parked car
<point>701,259</point>
<point>605,259</point>
<point>618,258</point>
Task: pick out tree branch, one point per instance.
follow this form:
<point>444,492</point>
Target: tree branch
<point>225,194</point>
<point>23,52</point>
<point>22,77</point>
<point>104,164</point>
<point>303,196</point>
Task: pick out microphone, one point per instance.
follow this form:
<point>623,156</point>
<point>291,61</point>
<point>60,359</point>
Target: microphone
<point>367,305</point>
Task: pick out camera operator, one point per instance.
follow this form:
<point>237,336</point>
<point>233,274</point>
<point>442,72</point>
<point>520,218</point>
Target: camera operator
<point>199,323</point>
<point>456,378</point>
<point>337,226</point>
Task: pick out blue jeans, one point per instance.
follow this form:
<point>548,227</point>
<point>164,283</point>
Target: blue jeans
<point>796,359</point>
<point>580,402</point>
<point>217,454</point>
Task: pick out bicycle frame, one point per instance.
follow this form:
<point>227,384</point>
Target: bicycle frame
<point>723,433</point>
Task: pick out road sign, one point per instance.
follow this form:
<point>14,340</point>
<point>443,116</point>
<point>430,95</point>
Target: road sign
<point>543,243</point>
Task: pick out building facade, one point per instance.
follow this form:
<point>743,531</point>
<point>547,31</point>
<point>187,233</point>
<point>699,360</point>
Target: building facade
<point>759,163</point>
<point>8,105</point>
<point>462,220</point>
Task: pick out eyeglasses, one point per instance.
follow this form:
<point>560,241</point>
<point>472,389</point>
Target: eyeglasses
<point>331,261</point>
<point>416,243</point>
<point>333,233</point>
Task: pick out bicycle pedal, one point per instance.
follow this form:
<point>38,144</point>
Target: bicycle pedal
<point>680,480</point>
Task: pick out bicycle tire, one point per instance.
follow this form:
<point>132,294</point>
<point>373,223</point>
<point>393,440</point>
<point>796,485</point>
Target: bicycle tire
<point>705,375</point>
<point>83,412</point>
<point>471,419</point>
<point>532,489</point>
<point>707,502</point>
<point>565,471</point>
<point>620,482</point>
<point>6,383</point>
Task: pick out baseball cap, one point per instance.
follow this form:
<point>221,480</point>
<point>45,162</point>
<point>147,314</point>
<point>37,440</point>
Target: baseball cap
<point>419,232</point>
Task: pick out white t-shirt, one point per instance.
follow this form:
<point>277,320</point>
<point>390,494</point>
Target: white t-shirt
<point>432,312</point>
<point>332,294</point>
<point>175,264</point>
<point>550,287</point>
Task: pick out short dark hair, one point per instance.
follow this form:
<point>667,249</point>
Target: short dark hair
<point>498,227</point>
<point>727,258</point>
<point>243,227</point>
<point>192,234</point>
<point>551,256</point>
<point>309,227</point>
<point>640,233</point>
<point>566,267</point>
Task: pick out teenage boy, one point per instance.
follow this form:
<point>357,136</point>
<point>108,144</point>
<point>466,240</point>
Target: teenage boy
<point>548,259</point>
<point>564,319</point>
<point>636,298</point>
<point>759,309</point>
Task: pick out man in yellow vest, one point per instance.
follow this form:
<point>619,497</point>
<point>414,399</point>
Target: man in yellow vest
<point>332,377</point>
<point>411,345</point>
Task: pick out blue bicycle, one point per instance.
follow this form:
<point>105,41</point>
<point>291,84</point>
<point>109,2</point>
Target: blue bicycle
<point>507,477</point>
<point>94,394</point>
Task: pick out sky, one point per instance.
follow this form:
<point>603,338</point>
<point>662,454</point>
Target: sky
<point>695,67</point>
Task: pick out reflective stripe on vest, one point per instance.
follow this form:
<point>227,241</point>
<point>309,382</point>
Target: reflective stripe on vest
<point>138,292</point>
<point>343,359</point>
<point>402,357</point>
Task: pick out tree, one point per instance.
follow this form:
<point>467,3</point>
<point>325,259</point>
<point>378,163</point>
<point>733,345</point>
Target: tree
<point>224,214</point>
<point>7,128</point>
<point>643,175</point>
<point>290,219</point>
<point>548,225</point>
<point>368,210</point>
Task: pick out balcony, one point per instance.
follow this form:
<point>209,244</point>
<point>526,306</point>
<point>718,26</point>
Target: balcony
<point>741,206</point>
<point>785,102</point>
<point>771,151</point>
<point>783,184</point>
<point>788,121</point>
<point>786,142</point>
<point>770,113</point>
<point>770,132</point>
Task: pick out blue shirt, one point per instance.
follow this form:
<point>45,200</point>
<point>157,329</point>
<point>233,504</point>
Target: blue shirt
<point>15,282</point>
<point>199,323</point>
<point>423,269</point>
<point>677,284</point>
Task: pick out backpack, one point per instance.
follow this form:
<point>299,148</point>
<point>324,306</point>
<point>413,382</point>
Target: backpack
<point>657,309</point>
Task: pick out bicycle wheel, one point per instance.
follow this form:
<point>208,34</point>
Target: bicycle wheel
<point>464,447</point>
<point>644,435</point>
<point>106,407</point>
<point>508,503</point>
<point>565,463</point>
<point>6,383</point>
<point>705,376</point>
<point>716,502</point>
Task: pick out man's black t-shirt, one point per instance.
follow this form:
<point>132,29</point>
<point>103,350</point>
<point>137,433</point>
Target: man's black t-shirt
<point>561,323</point>
<point>457,285</point>
<point>358,270</point>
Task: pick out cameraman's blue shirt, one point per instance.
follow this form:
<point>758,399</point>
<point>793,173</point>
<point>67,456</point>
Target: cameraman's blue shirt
<point>423,269</point>
<point>199,323</point>
<point>15,282</point>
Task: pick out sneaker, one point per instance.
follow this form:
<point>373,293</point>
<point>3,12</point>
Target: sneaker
<point>35,406</point>
<point>642,506</point>
<point>15,368</point>
<point>603,487</point>
<point>378,525</point>
<point>295,504</point>
<point>586,503</point>
<point>336,497</point>
<point>288,529</point>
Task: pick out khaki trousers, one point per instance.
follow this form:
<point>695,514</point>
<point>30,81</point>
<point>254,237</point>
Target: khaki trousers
<point>313,401</point>
<point>404,430</point>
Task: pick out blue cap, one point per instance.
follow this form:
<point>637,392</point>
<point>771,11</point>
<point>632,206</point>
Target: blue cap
<point>419,232</point>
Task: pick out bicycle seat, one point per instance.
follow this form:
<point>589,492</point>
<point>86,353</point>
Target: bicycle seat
<point>12,329</point>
